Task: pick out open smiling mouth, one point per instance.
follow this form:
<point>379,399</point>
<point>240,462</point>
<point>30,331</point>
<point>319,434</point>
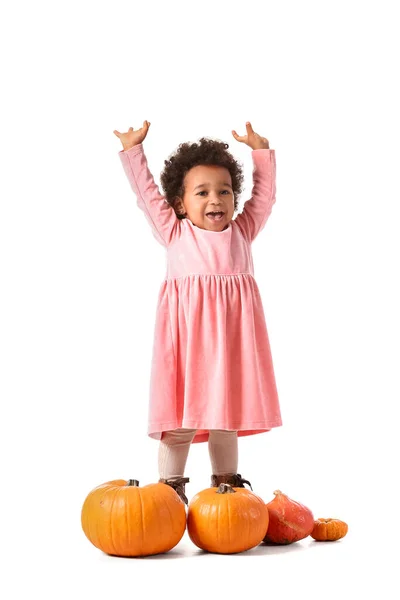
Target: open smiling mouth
<point>215,216</point>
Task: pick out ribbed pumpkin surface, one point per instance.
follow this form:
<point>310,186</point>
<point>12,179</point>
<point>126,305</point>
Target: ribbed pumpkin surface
<point>226,523</point>
<point>128,520</point>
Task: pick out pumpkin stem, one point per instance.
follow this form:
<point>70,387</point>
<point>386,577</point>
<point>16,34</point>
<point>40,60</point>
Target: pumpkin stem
<point>225,488</point>
<point>133,482</point>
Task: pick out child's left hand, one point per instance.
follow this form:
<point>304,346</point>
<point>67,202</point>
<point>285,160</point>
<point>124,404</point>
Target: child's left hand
<point>252,139</point>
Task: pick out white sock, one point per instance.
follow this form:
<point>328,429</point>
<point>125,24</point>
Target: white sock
<point>223,451</point>
<point>173,452</point>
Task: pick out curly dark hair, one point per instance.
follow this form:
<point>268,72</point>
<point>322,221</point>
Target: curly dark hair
<point>206,152</point>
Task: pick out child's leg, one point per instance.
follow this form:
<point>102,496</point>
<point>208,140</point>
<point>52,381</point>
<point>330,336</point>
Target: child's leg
<point>173,452</point>
<point>223,450</point>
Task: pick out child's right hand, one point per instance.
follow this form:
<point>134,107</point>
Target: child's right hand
<point>131,137</point>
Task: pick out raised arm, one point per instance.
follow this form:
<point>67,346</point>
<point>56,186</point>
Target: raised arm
<point>257,209</point>
<point>158,212</point>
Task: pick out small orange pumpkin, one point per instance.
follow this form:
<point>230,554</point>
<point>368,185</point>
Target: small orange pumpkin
<point>329,530</point>
<point>123,519</point>
<point>226,519</point>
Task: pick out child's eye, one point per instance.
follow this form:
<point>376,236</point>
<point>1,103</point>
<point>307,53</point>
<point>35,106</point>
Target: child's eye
<point>204,192</point>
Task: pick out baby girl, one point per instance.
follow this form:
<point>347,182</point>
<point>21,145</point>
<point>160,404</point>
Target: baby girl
<point>212,376</point>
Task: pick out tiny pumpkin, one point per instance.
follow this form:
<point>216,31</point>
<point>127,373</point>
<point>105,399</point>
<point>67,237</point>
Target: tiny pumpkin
<point>227,519</point>
<point>123,519</point>
<point>329,530</point>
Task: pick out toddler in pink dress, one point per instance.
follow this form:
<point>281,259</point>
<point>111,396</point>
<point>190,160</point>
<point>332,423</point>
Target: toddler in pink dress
<point>212,376</point>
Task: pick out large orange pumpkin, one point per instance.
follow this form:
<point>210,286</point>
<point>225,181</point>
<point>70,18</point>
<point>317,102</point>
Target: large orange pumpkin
<point>226,519</point>
<point>123,519</point>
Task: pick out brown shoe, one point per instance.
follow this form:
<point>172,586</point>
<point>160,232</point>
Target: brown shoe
<point>178,483</point>
<point>234,479</point>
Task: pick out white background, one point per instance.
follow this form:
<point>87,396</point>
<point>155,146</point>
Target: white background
<point>81,270</point>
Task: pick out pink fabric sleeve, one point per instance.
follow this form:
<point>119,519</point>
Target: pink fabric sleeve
<point>257,210</point>
<point>158,212</point>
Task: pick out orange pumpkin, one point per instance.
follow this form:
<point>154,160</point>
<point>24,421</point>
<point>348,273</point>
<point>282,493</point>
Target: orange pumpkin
<point>289,521</point>
<point>329,530</point>
<point>226,519</point>
<point>123,519</point>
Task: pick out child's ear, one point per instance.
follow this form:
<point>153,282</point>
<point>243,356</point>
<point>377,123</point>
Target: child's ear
<point>179,207</point>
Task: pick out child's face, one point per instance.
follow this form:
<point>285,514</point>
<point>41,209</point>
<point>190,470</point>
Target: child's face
<point>207,188</point>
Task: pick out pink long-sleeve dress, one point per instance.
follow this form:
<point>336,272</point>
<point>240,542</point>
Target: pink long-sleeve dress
<point>211,365</point>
